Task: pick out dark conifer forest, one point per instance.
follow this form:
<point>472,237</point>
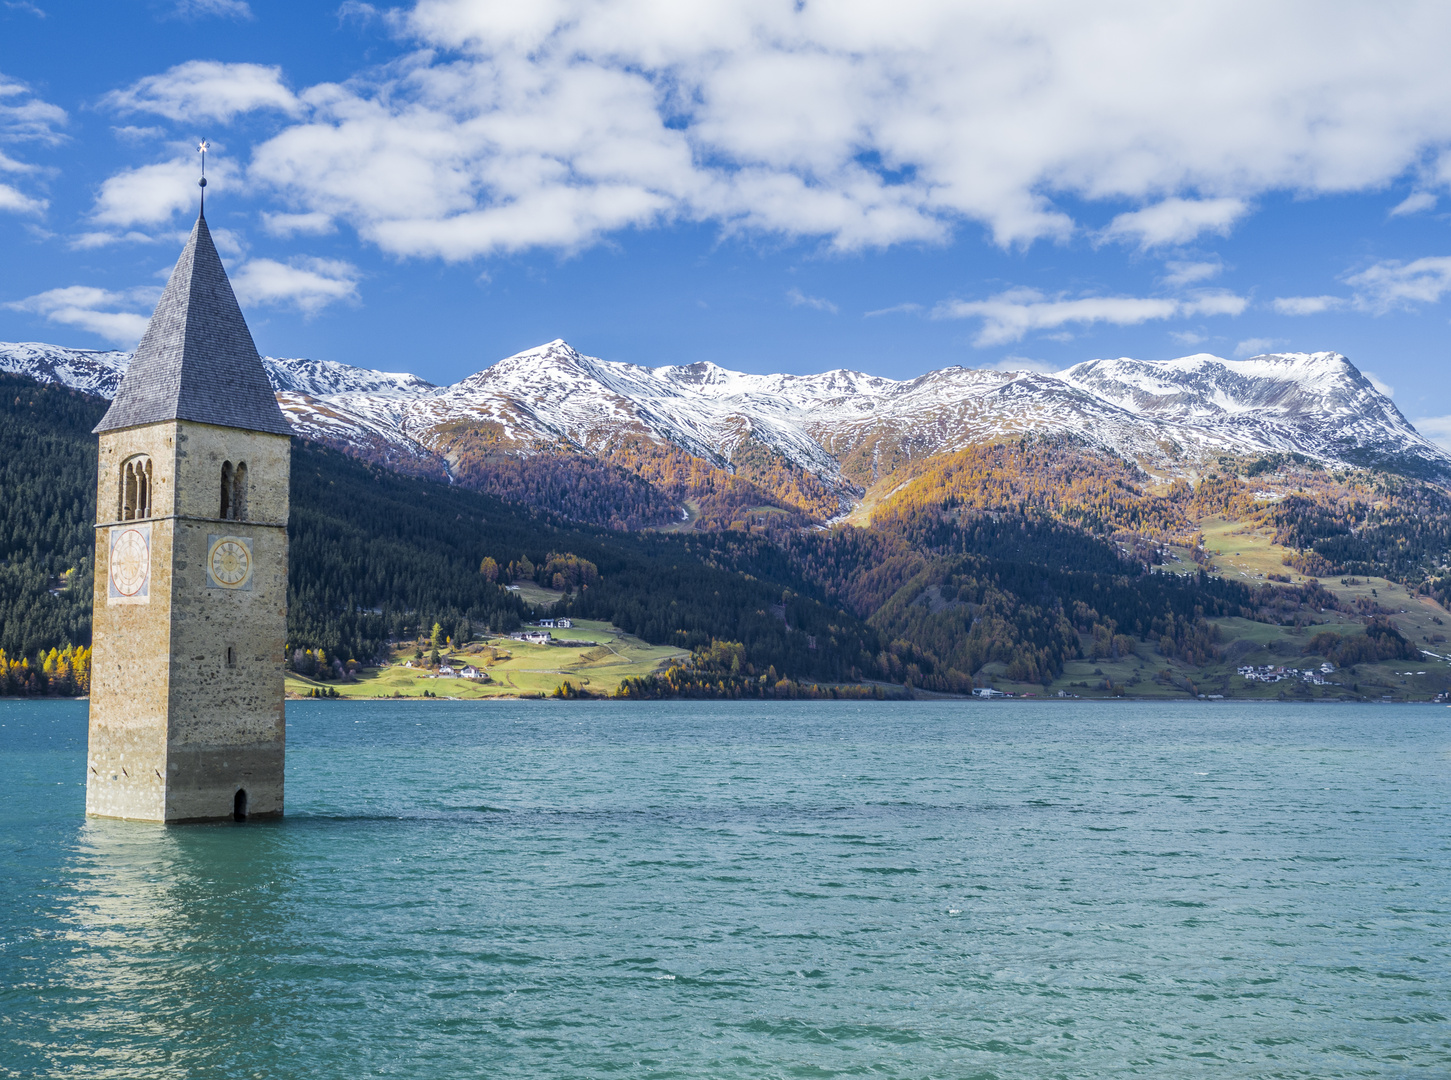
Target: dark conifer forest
<point>951,578</point>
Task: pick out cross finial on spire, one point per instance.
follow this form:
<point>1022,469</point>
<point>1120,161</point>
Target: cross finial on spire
<point>202,183</point>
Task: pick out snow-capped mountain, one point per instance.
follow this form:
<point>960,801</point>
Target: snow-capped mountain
<point>93,372</point>
<point>845,428</point>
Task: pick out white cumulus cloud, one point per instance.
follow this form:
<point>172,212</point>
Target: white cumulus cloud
<point>16,201</point>
<point>1176,221</point>
<point>510,126</point>
<point>153,194</point>
<point>207,90</point>
<point>307,284</point>
<point>110,315</point>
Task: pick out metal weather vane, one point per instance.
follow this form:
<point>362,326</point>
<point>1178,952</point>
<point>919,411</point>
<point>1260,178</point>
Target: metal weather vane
<point>202,183</point>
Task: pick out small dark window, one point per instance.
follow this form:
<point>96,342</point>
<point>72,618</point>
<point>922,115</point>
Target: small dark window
<point>231,656</point>
<point>239,491</point>
<point>226,511</point>
<point>239,805</point>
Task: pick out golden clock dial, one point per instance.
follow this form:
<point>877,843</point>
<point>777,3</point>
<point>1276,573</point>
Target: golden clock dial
<point>230,562</point>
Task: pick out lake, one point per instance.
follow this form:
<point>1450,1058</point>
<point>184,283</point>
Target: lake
<point>694,889</point>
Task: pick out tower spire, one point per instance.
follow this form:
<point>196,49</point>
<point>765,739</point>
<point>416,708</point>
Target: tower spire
<point>202,183</point>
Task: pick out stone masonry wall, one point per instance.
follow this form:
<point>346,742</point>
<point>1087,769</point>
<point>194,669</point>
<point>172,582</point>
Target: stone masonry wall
<point>165,701</point>
<point>131,657</point>
<point>227,723</point>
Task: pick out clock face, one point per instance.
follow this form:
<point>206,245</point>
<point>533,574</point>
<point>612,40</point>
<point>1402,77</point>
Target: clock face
<point>130,562</point>
<point>229,562</point>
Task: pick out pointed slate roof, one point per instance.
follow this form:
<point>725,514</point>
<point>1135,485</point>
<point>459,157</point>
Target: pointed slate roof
<point>197,360</point>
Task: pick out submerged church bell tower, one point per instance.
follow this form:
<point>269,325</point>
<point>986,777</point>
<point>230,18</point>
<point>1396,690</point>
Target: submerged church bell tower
<point>190,617</point>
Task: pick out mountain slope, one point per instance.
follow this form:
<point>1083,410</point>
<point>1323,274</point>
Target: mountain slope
<point>838,432</point>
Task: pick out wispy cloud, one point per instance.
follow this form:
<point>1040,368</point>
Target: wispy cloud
<point>25,118</point>
<point>1257,346</point>
<point>1181,274</point>
<point>1384,387</point>
<point>110,315</point>
<point>306,284</point>
<point>895,309</point>
<point>227,9</point>
<point>1392,284</point>
<point>800,299</point>
<point>1026,363</point>
<point>1010,315</point>
<point>285,225</point>
<point>1386,286</point>
<point>1435,428</point>
<point>1176,221</point>
<point>1414,203</point>
<point>1307,305</point>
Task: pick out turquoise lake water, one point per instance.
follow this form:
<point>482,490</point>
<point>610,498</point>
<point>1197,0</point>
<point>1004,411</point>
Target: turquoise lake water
<point>540,889</point>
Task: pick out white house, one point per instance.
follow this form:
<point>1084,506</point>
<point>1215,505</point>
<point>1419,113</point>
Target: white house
<point>534,637</point>
<point>471,672</point>
<point>987,692</point>
<point>545,622</point>
<point>563,624</point>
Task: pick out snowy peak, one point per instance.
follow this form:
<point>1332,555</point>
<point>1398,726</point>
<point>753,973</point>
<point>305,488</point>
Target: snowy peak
<point>321,377</point>
<point>93,372</point>
<point>844,428</point>
<point>1286,380</point>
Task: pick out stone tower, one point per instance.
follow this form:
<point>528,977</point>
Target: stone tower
<point>190,609</point>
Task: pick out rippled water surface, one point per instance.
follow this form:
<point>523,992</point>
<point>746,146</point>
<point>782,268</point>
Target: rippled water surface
<point>793,890</point>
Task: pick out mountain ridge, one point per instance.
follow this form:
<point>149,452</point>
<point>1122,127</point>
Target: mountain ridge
<point>844,430</point>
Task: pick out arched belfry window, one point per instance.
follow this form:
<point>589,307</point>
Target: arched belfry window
<point>135,488</point>
<point>234,491</point>
<point>239,491</point>
<point>226,510</point>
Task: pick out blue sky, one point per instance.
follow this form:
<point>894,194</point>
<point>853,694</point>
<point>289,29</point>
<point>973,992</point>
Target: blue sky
<point>771,186</point>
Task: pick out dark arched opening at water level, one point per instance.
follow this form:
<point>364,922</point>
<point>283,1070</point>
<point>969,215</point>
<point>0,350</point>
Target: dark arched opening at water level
<point>239,805</point>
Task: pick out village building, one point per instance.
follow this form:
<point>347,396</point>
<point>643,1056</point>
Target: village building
<point>190,605</point>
